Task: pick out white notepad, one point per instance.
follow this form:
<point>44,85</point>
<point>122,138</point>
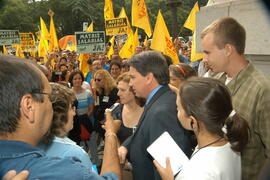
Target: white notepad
<point>164,146</point>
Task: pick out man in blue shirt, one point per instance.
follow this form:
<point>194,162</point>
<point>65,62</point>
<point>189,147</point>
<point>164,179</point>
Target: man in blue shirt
<point>25,117</point>
<point>149,79</point>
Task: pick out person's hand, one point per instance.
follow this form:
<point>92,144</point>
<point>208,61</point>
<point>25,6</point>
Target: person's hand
<point>12,175</point>
<point>111,125</point>
<point>165,173</point>
<point>122,153</point>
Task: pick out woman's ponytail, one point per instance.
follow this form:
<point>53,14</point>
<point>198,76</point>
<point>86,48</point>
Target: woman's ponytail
<point>237,132</point>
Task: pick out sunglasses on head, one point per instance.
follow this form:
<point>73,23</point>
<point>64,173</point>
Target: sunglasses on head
<point>98,80</point>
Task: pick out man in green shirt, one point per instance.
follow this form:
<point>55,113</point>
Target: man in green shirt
<point>223,44</point>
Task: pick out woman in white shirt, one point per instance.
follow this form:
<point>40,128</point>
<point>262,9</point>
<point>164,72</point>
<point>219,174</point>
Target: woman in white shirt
<point>204,106</point>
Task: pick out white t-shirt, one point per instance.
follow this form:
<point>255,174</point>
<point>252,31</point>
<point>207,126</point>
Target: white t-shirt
<point>212,163</point>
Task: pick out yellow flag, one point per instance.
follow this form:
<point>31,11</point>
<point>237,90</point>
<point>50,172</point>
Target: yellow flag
<point>124,15</point>
<point>43,48</point>
<point>191,24</point>
<point>128,50</point>
<point>33,53</point>
<point>108,9</point>
<point>140,16</point>
<point>162,40</point>
<point>111,50</point>
<point>83,58</point>
<point>5,50</point>
<point>90,28</point>
<point>191,20</point>
<point>53,40</point>
<point>194,56</point>
<point>136,41</point>
<point>19,51</point>
<point>44,33</point>
<point>145,43</point>
<point>71,47</point>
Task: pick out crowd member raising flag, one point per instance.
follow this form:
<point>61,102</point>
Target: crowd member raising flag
<point>140,16</point>
<point>191,24</point>
<point>108,9</point>
<point>53,37</point>
<point>162,40</point>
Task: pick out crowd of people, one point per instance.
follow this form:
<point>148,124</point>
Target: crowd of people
<point>56,121</point>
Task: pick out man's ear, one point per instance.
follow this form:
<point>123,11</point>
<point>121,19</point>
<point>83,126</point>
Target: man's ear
<point>149,77</point>
<point>228,49</point>
<point>27,107</point>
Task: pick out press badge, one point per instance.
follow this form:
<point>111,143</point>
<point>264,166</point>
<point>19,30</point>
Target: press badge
<point>97,101</point>
<point>105,99</point>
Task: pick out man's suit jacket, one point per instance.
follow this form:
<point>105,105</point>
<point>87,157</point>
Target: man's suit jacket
<point>159,115</point>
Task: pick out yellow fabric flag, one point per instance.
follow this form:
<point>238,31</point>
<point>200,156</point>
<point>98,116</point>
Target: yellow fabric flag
<point>194,56</point>
<point>54,46</point>
<point>90,28</point>
<point>19,51</point>
<point>140,16</point>
<point>108,9</point>
<point>124,15</point>
<point>43,48</point>
<point>44,33</point>
<point>5,50</point>
<point>111,50</point>
<point>145,43</point>
<point>128,50</point>
<point>162,40</point>
<point>191,24</point>
<point>71,47</point>
<point>191,20</point>
<point>136,41</point>
<point>83,58</point>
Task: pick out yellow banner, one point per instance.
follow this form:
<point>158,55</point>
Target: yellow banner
<point>116,26</point>
<point>27,41</point>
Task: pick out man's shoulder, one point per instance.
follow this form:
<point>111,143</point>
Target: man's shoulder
<point>257,79</point>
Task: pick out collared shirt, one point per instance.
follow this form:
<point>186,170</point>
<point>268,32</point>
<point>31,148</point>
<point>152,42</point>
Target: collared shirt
<point>152,94</point>
<point>19,156</point>
<point>250,91</point>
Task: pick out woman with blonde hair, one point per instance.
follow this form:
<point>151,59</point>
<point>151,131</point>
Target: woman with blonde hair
<point>105,97</point>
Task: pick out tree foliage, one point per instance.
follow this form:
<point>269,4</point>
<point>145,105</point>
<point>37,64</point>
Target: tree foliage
<point>23,15</point>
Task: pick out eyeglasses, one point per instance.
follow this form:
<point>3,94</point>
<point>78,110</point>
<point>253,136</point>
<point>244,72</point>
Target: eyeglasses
<point>98,80</point>
<point>44,93</point>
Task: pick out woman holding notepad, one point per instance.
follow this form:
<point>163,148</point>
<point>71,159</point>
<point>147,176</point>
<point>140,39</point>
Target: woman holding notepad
<point>204,106</point>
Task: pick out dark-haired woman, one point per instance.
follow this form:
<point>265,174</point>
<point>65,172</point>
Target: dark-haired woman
<point>205,107</point>
<point>180,73</point>
<point>85,106</point>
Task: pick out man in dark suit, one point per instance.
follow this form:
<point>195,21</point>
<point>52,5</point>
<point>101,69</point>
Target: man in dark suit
<point>149,79</point>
